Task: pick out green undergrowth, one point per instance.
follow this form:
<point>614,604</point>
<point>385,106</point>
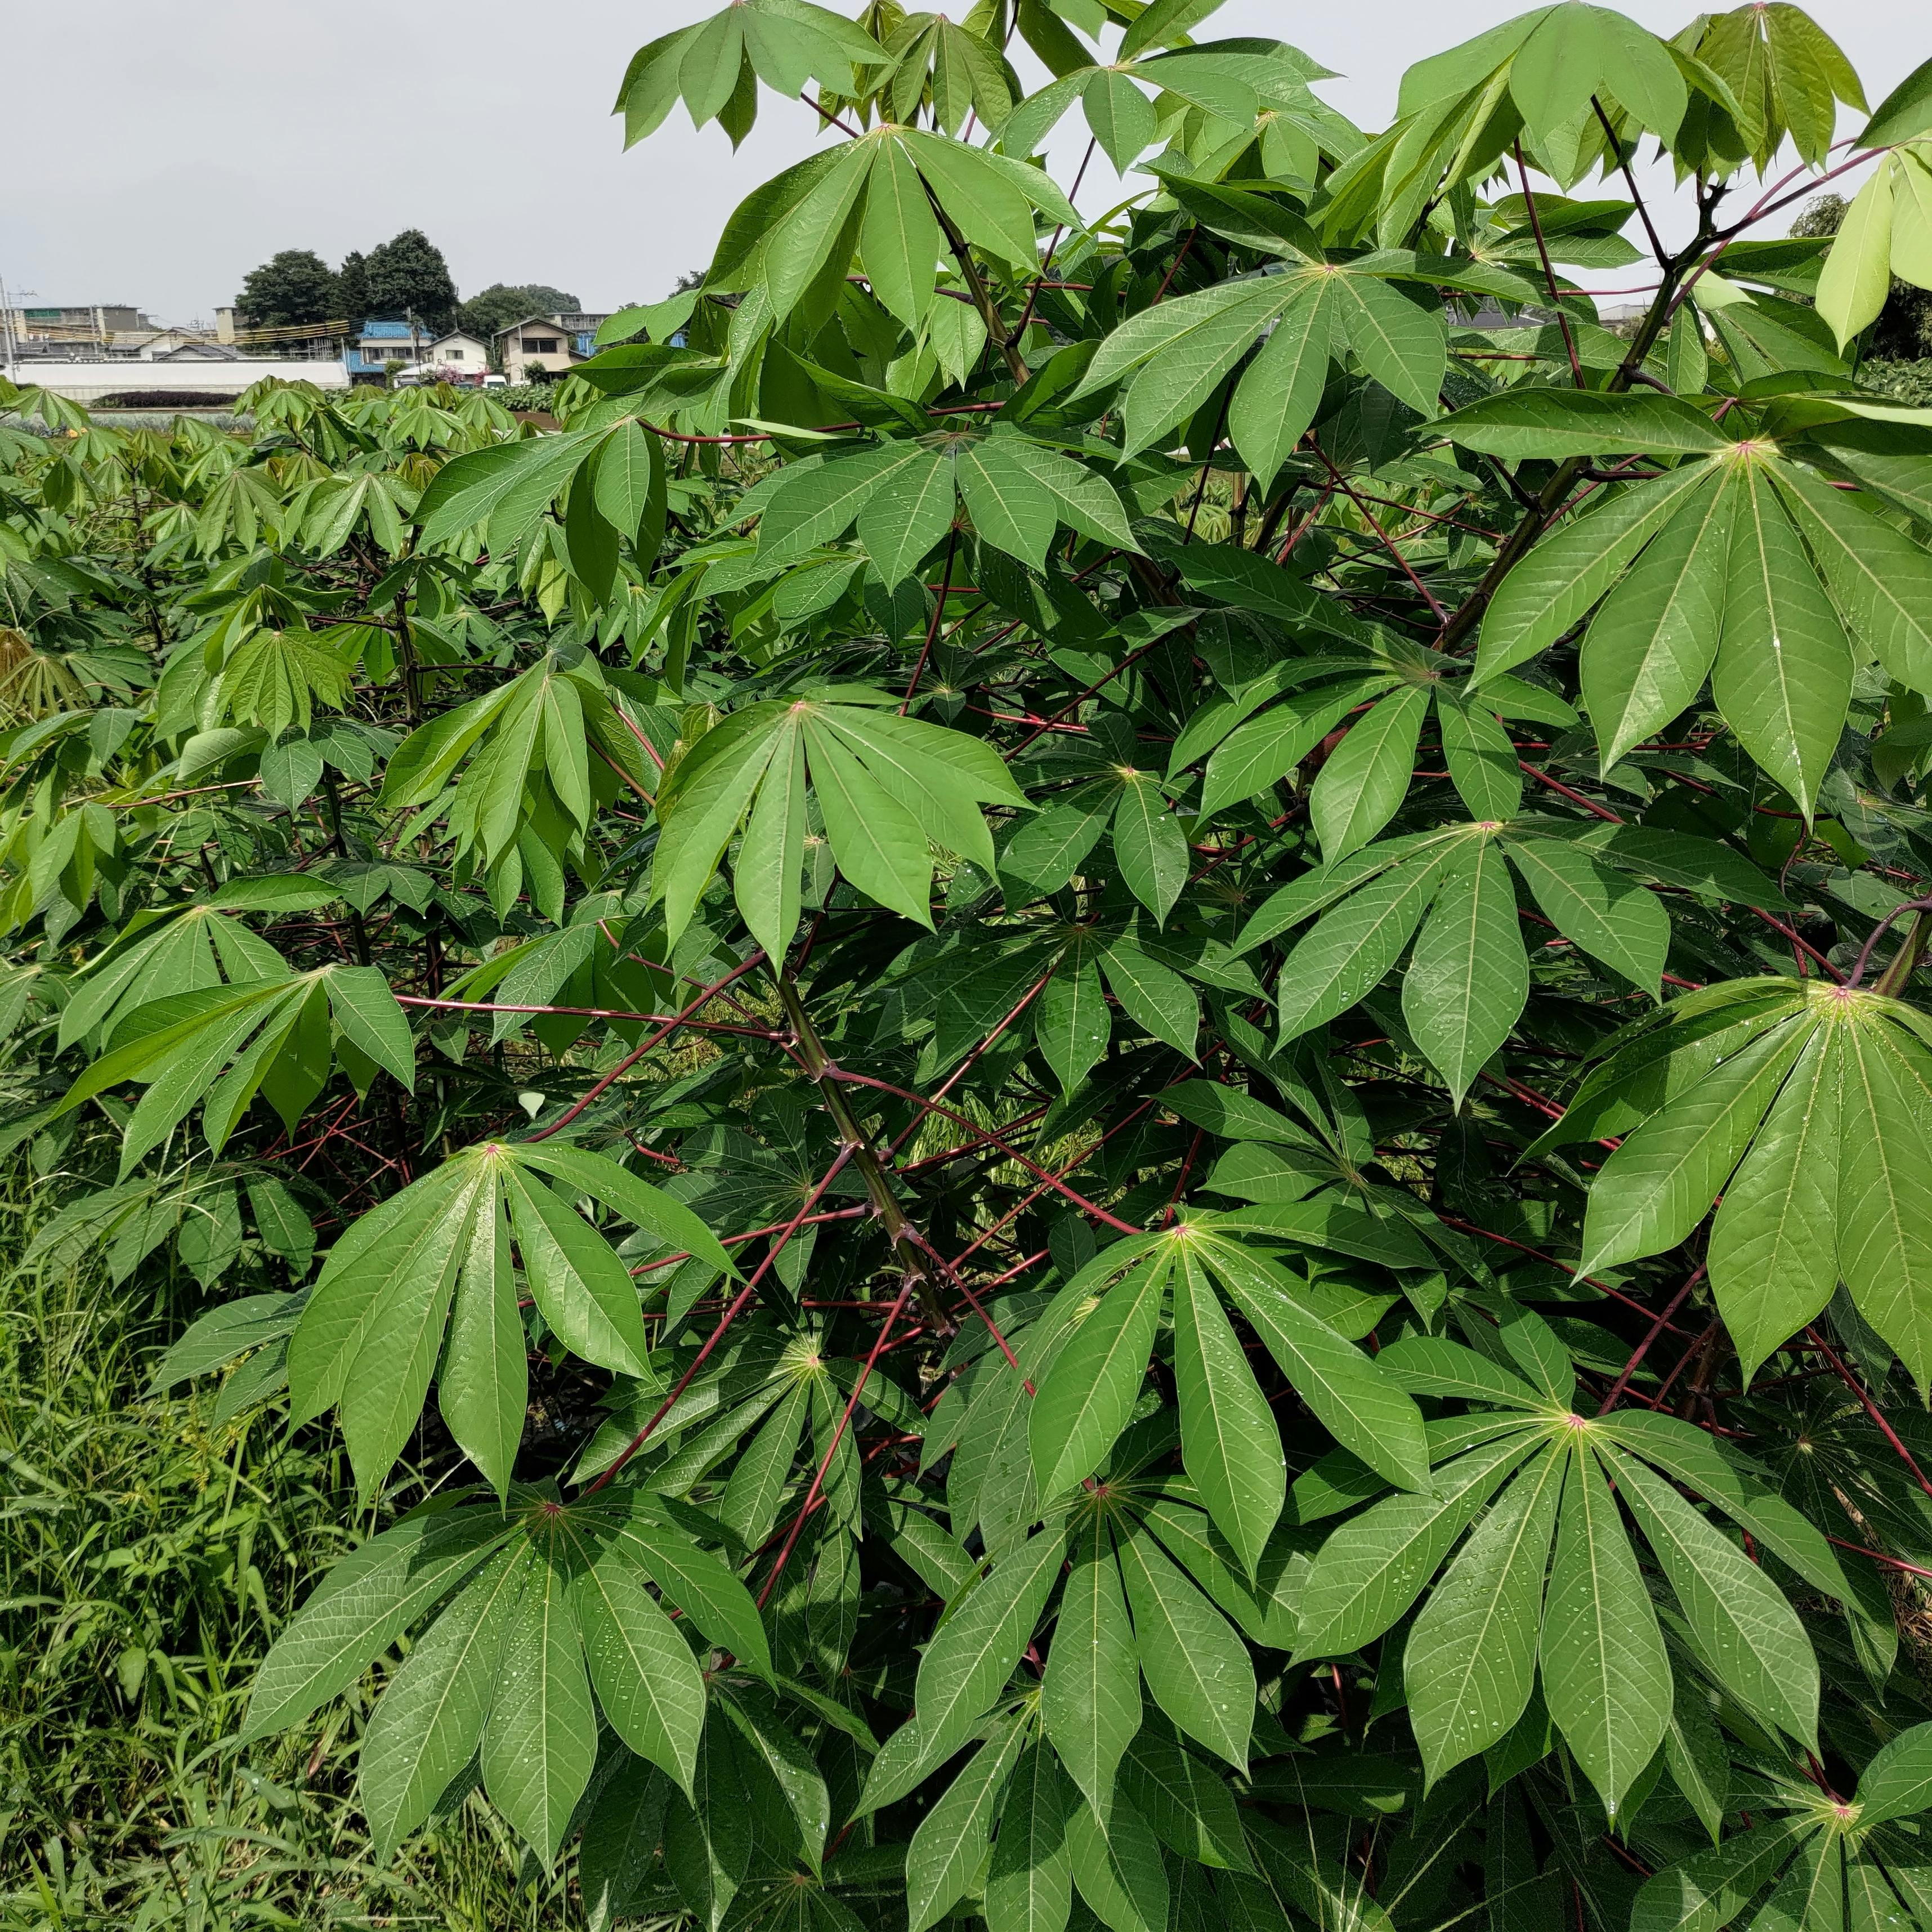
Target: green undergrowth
<point>149,1553</point>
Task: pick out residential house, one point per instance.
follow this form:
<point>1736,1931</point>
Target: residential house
<point>542,345</point>
<point>189,348</point>
<point>381,340</point>
<point>159,345</point>
<point>582,329</point>
<point>535,349</point>
<point>465,355</point>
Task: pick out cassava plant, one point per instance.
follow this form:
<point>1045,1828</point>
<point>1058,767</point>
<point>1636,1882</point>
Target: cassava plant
<point>1114,1025</point>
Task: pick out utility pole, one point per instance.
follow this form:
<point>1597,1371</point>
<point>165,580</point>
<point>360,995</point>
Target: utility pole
<point>9,345</point>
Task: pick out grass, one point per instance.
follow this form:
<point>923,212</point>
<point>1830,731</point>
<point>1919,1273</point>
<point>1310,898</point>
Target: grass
<point>147,1555</point>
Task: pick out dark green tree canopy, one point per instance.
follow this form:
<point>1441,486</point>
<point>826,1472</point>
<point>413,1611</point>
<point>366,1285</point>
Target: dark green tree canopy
<point>352,283</point>
<point>294,285</point>
<point>502,303</point>
<point>1089,1058</point>
<point>407,274</point>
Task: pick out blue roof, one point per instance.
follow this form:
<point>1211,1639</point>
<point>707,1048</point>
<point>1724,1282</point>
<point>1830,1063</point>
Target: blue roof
<point>383,326</point>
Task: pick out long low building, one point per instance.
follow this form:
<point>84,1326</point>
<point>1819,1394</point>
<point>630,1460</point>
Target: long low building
<point>90,382</point>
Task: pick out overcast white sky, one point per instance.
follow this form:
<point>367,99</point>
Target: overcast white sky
<point>153,155</point>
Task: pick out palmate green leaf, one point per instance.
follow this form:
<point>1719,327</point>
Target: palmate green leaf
<point>646,1682</point>
<point>1623,925</point>
<point>886,785</point>
<point>1469,980</point>
<point>1554,587</point>
<point>1573,51</point>
<point>426,1725</point>
<point>1606,1675</point>
<point>948,1851</point>
<point>1196,1667</point>
<point>539,1744</point>
<point>1229,1440</point>
<point>1366,775</point>
<point>1774,1248</point>
<point>1660,1183</point>
<point>1743,1624</point>
<point>372,1331</point>
<point>1371,1570</point>
<point>1351,951</point>
<point>1470,1663</point>
<point>1089,1393</point>
<point>366,1601</point>
<point>1118,1868</point>
<point>967,1663</point>
<point>1029,1886</point>
<point>1091,1695</point>
<point>1651,647</point>
<point>1784,674</point>
<point>1582,422</point>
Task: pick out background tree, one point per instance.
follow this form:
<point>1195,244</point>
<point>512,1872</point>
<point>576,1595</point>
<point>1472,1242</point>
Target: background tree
<point>353,287</point>
<point>407,273</point>
<point>293,286</point>
<point>502,303</point>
